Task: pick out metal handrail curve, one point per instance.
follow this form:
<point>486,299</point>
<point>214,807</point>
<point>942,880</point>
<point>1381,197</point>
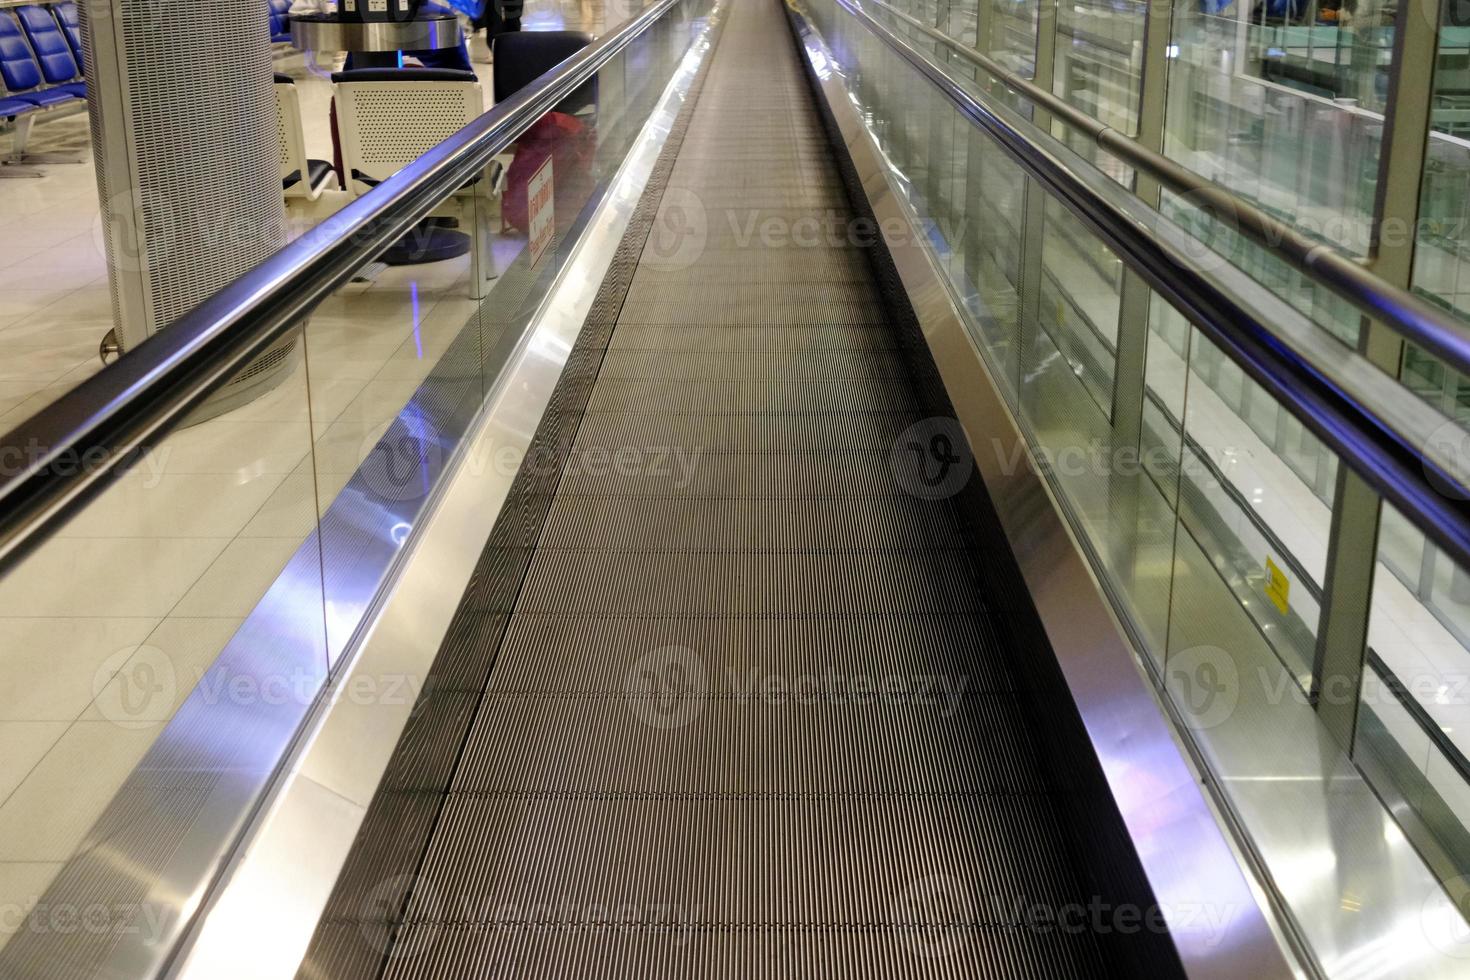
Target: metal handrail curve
<point>63,456</point>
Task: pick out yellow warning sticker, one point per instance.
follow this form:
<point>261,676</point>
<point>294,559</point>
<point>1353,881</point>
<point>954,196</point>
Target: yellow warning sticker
<point>1278,586</point>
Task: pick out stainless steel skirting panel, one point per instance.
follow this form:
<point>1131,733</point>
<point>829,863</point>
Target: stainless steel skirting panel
<point>1140,819</point>
<point>743,705</point>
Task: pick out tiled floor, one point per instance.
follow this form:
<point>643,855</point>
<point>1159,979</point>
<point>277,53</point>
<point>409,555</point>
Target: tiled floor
<point>54,303</point>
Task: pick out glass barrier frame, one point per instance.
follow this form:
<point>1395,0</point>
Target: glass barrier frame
<point>1309,662</point>
<point>378,432</point>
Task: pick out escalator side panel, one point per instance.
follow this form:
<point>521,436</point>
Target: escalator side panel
<point>1097,838</point>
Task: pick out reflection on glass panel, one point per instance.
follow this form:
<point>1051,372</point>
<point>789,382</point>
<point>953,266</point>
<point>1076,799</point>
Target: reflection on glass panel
<point>1436,383</point>
<point>1080,285</point>
<point>109,626</point>
<point>958,20</point>
<point>945,166</point>
<point>401,360</point>
<point>1414,715</point>
<point>1243,109</point>
<point>1099,59</point>
<point>1261,526</point>
<point>1333,49</point>
<point>1166,373</point>
<point>1442,251</point>
<point>1442,242</point>
<point>1403,551</point>
<point>1008,33</point>
<point>996,192</point>
<point>1068,365</point>
<point>1329,48</point>
<point>1324,307</point>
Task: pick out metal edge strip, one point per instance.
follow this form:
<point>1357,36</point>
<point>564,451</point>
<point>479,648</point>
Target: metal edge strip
<point>1168,815</point>
<point>283,874</point>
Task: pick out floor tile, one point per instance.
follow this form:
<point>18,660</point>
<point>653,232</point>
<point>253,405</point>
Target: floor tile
<point>49,667</point>
<point>84,768</point>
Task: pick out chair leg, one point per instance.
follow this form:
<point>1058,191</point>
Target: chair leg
<point>23,156</point>
<point>20,136</point>
<point>483,248</point>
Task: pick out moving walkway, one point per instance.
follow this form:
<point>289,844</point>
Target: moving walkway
<point>765,710</point>
<point>749,620</point>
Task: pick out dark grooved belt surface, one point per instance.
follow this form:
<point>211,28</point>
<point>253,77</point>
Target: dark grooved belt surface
<point>750,714</point>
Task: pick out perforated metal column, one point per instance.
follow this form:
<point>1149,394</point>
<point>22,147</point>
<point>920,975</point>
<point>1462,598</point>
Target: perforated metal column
<point>184,130</point>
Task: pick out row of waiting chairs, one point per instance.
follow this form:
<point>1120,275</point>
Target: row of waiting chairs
<point>389,117</point>
<point>40,65</point>
<point>386,119</point>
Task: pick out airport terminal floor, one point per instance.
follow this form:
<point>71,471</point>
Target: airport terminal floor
<point>813,488</point>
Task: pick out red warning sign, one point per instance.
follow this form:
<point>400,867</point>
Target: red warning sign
<point>541,212</point>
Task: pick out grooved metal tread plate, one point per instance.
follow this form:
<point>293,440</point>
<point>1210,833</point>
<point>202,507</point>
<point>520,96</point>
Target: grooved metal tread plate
<point>836,861</point>
<point>749,713</point>
<point>828,734</point>
<point>699,473</point>
<point>796,524</point>
<point>750,397</point>
<point>726,365</point>
<point>809,436</point>
<point>554,653</point>
<point>700,583</point>
<point>746,337</point>
<point>594,948</point>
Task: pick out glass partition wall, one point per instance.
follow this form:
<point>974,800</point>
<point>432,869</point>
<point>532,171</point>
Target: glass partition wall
<point>209,593</point>
<point>1219,522</point>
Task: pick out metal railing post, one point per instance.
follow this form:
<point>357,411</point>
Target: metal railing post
<point>1135,298</point>
<point>1033,210</point>
<point>1129,364</point>
<point>1352,549</point>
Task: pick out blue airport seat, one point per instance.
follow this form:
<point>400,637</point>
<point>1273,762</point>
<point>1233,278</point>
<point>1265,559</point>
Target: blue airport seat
<point>34,50</point>
<point>10,108</point>
<point>53,51</point>
<point>18,68</point>
<point>46,97</point>
<point>66,14</point>
<point>280,20</point>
